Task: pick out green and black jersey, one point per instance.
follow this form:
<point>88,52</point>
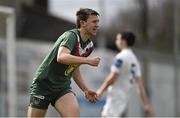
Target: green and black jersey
<point>52,75</point>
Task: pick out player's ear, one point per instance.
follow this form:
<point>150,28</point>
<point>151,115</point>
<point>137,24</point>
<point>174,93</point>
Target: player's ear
<point>82,23</point>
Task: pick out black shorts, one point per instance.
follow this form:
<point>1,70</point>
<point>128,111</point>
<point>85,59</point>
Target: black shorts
<point>43,101</point>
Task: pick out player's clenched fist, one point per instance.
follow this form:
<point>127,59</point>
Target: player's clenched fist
<point>94,61</point>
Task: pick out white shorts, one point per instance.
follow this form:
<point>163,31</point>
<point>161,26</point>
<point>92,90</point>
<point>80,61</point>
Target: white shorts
<point>114,107</point>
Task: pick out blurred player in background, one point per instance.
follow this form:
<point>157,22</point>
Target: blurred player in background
<point>124,71</point>
<point>51,84</point>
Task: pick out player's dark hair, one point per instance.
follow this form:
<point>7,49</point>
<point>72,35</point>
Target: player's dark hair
<point>129,37</point>
<point>83,14</point>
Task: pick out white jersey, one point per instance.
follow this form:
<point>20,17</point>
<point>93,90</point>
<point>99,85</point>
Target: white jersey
<point>127,67</point>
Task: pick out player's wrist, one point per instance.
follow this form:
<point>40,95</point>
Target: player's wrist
<point>85,90</point>
<point>98,92</point>
<point>146,105</point>
<point>86,60</point>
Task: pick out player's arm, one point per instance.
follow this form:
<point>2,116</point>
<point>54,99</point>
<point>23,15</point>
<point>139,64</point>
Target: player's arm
<point>90,95</point>
<point>143,96</point>
<point>141,89</point>
<point>110,79</point>
<point>65,57</point>
<point>79,80</point>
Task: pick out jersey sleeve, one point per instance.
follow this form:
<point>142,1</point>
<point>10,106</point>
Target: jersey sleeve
<point>117,64</point>
<point>136,70</point>
<point>68,40</point>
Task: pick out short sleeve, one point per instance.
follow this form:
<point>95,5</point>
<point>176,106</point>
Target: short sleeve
<point>68,40</point>
<point>136,70</point>
<point>116,65</point>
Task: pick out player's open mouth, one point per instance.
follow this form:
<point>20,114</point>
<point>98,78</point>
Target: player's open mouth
<point>95,29</point>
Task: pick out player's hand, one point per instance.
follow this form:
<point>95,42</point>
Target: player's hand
<point>99,94</point>
<point>94,61</point>
<point>149,111</point>
<point>91,96</point>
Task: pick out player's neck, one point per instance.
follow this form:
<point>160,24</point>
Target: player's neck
<point>124,48</point>
<point>84,35</point>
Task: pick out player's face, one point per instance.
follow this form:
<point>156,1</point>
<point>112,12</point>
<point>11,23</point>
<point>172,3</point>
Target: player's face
<point>119,41</point>
<point>92,25</point>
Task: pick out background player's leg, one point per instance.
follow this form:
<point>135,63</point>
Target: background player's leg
<point>67,106</point>
<point>34,112</point>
